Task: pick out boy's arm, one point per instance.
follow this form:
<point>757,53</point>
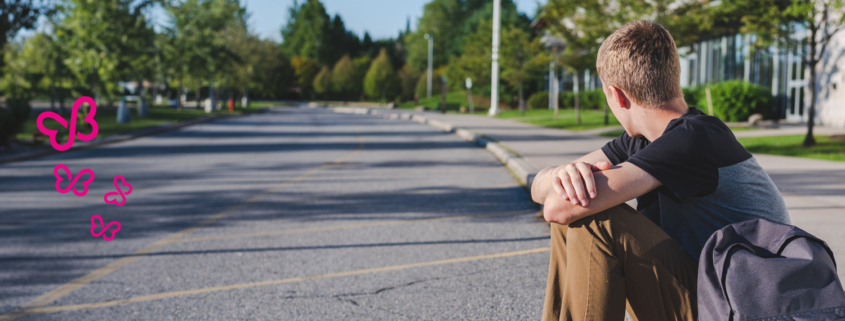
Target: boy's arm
<point>614,186</point>
<point>554,178</point>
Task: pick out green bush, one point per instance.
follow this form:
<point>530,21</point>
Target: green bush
<point>539,100</point>
<point>694,97</point>
<point>733,101</point>
<point>592,99</point>
<point>12,119</point>
<point>566,99</point>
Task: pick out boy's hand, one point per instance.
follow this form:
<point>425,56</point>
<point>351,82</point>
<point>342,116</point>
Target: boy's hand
<point>575,182</point>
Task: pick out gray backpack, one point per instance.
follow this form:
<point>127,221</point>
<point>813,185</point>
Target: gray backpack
<point>762,270</point>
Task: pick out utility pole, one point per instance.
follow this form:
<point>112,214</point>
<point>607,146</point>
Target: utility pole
<point>494,95</point>
<point>430,63</point>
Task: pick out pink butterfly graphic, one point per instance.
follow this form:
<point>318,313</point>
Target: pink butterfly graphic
<point>119,192</point>
<point>73,180</point>
<point>105,228</point>
<point>89,118</point>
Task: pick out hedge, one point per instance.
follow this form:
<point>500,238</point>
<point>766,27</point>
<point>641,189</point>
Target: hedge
<point>733,101</point>
<point>539,100</point>
<point>593,99</point>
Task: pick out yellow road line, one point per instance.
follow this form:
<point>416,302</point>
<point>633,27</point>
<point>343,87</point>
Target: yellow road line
<point>77,283</point>
<point>166,295</point>
<point>342,227</point>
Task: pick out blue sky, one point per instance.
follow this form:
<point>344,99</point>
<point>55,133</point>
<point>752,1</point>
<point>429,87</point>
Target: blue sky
<point>381,18</point>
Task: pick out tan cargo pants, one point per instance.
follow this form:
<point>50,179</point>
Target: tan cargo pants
<point>601,261</point>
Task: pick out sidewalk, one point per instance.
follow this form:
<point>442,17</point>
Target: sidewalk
<point>814,190</point>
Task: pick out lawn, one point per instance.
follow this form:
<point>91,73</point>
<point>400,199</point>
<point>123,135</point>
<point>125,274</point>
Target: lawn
<point>107,121</point>
<point>590,119</point>
<point>826,148</point>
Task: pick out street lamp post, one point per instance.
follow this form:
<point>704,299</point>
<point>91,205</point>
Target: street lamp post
<point>430,63</point>
<point>469,91</point>
<point>494,94</point>
<point>556,45</point>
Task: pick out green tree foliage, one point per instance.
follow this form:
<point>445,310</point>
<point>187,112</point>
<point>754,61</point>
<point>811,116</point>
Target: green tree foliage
<point>449,22</point>
<point>16,15</point>
<point>476,60</point>
<point>362,64</point>
<point>380,77</point>
<point>323,82</point>
<point>305,70</point>
<point>409,78</point>
<point>521,60</point>
<point>344,76</point>
<point>106,41</point>
<point>774,21</point>
<point>311,33</point>
<point>17,83</point>
<point>436,85</point>
<point>199,36</point>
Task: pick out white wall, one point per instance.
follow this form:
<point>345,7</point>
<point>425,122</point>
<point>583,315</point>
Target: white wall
<point>831,102</point>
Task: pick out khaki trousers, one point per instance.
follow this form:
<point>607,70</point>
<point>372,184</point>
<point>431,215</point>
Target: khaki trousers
<point>601,261</point>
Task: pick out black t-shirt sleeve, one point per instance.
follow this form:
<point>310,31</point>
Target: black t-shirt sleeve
<point>680,160</point>
<point>621,148</point>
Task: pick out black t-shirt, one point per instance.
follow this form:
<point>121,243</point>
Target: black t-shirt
<point>709,180</point>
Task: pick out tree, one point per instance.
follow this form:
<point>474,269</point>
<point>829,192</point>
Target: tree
<point>380,76</point>
<point>305,70</point>
<point>344,77</point>
<point>520,59</point>
<point>105,41</point>
<point>774,21</point>
<point>449,22</point>
<point>409,77</point>
<point>362,64</point>
<point>272,73</point>
<point>16,15</point>
<point>323,82</point>
<point>311,33</point>
<point>199,28</point>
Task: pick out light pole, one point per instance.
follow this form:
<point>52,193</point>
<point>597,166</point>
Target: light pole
<point>430,63</point>
<point>469,91</point>
<point>494,94</point>
<point>556,46</point>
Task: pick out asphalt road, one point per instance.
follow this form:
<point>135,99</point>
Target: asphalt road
<point>294,214</point>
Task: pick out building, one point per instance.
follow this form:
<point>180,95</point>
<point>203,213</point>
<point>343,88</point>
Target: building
<point>781,69</point>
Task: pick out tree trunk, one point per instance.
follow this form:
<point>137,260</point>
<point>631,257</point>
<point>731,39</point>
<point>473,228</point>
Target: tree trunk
<point>810,140</point>
<point>606,114</point>
<point>521,100</point>
<point>197,94</point>
<point>577,102</point>
<point>179,95</point>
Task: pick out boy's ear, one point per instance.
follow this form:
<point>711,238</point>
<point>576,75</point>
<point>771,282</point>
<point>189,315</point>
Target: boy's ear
<point>620,97</point>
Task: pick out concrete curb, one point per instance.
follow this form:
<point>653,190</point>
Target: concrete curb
<point>111,139</point>
<point>521,169</point>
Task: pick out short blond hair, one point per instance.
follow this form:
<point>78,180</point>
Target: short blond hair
<point>641,59</point>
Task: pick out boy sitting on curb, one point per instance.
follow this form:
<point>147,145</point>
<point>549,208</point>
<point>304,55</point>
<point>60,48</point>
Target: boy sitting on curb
<point>690,177</point>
